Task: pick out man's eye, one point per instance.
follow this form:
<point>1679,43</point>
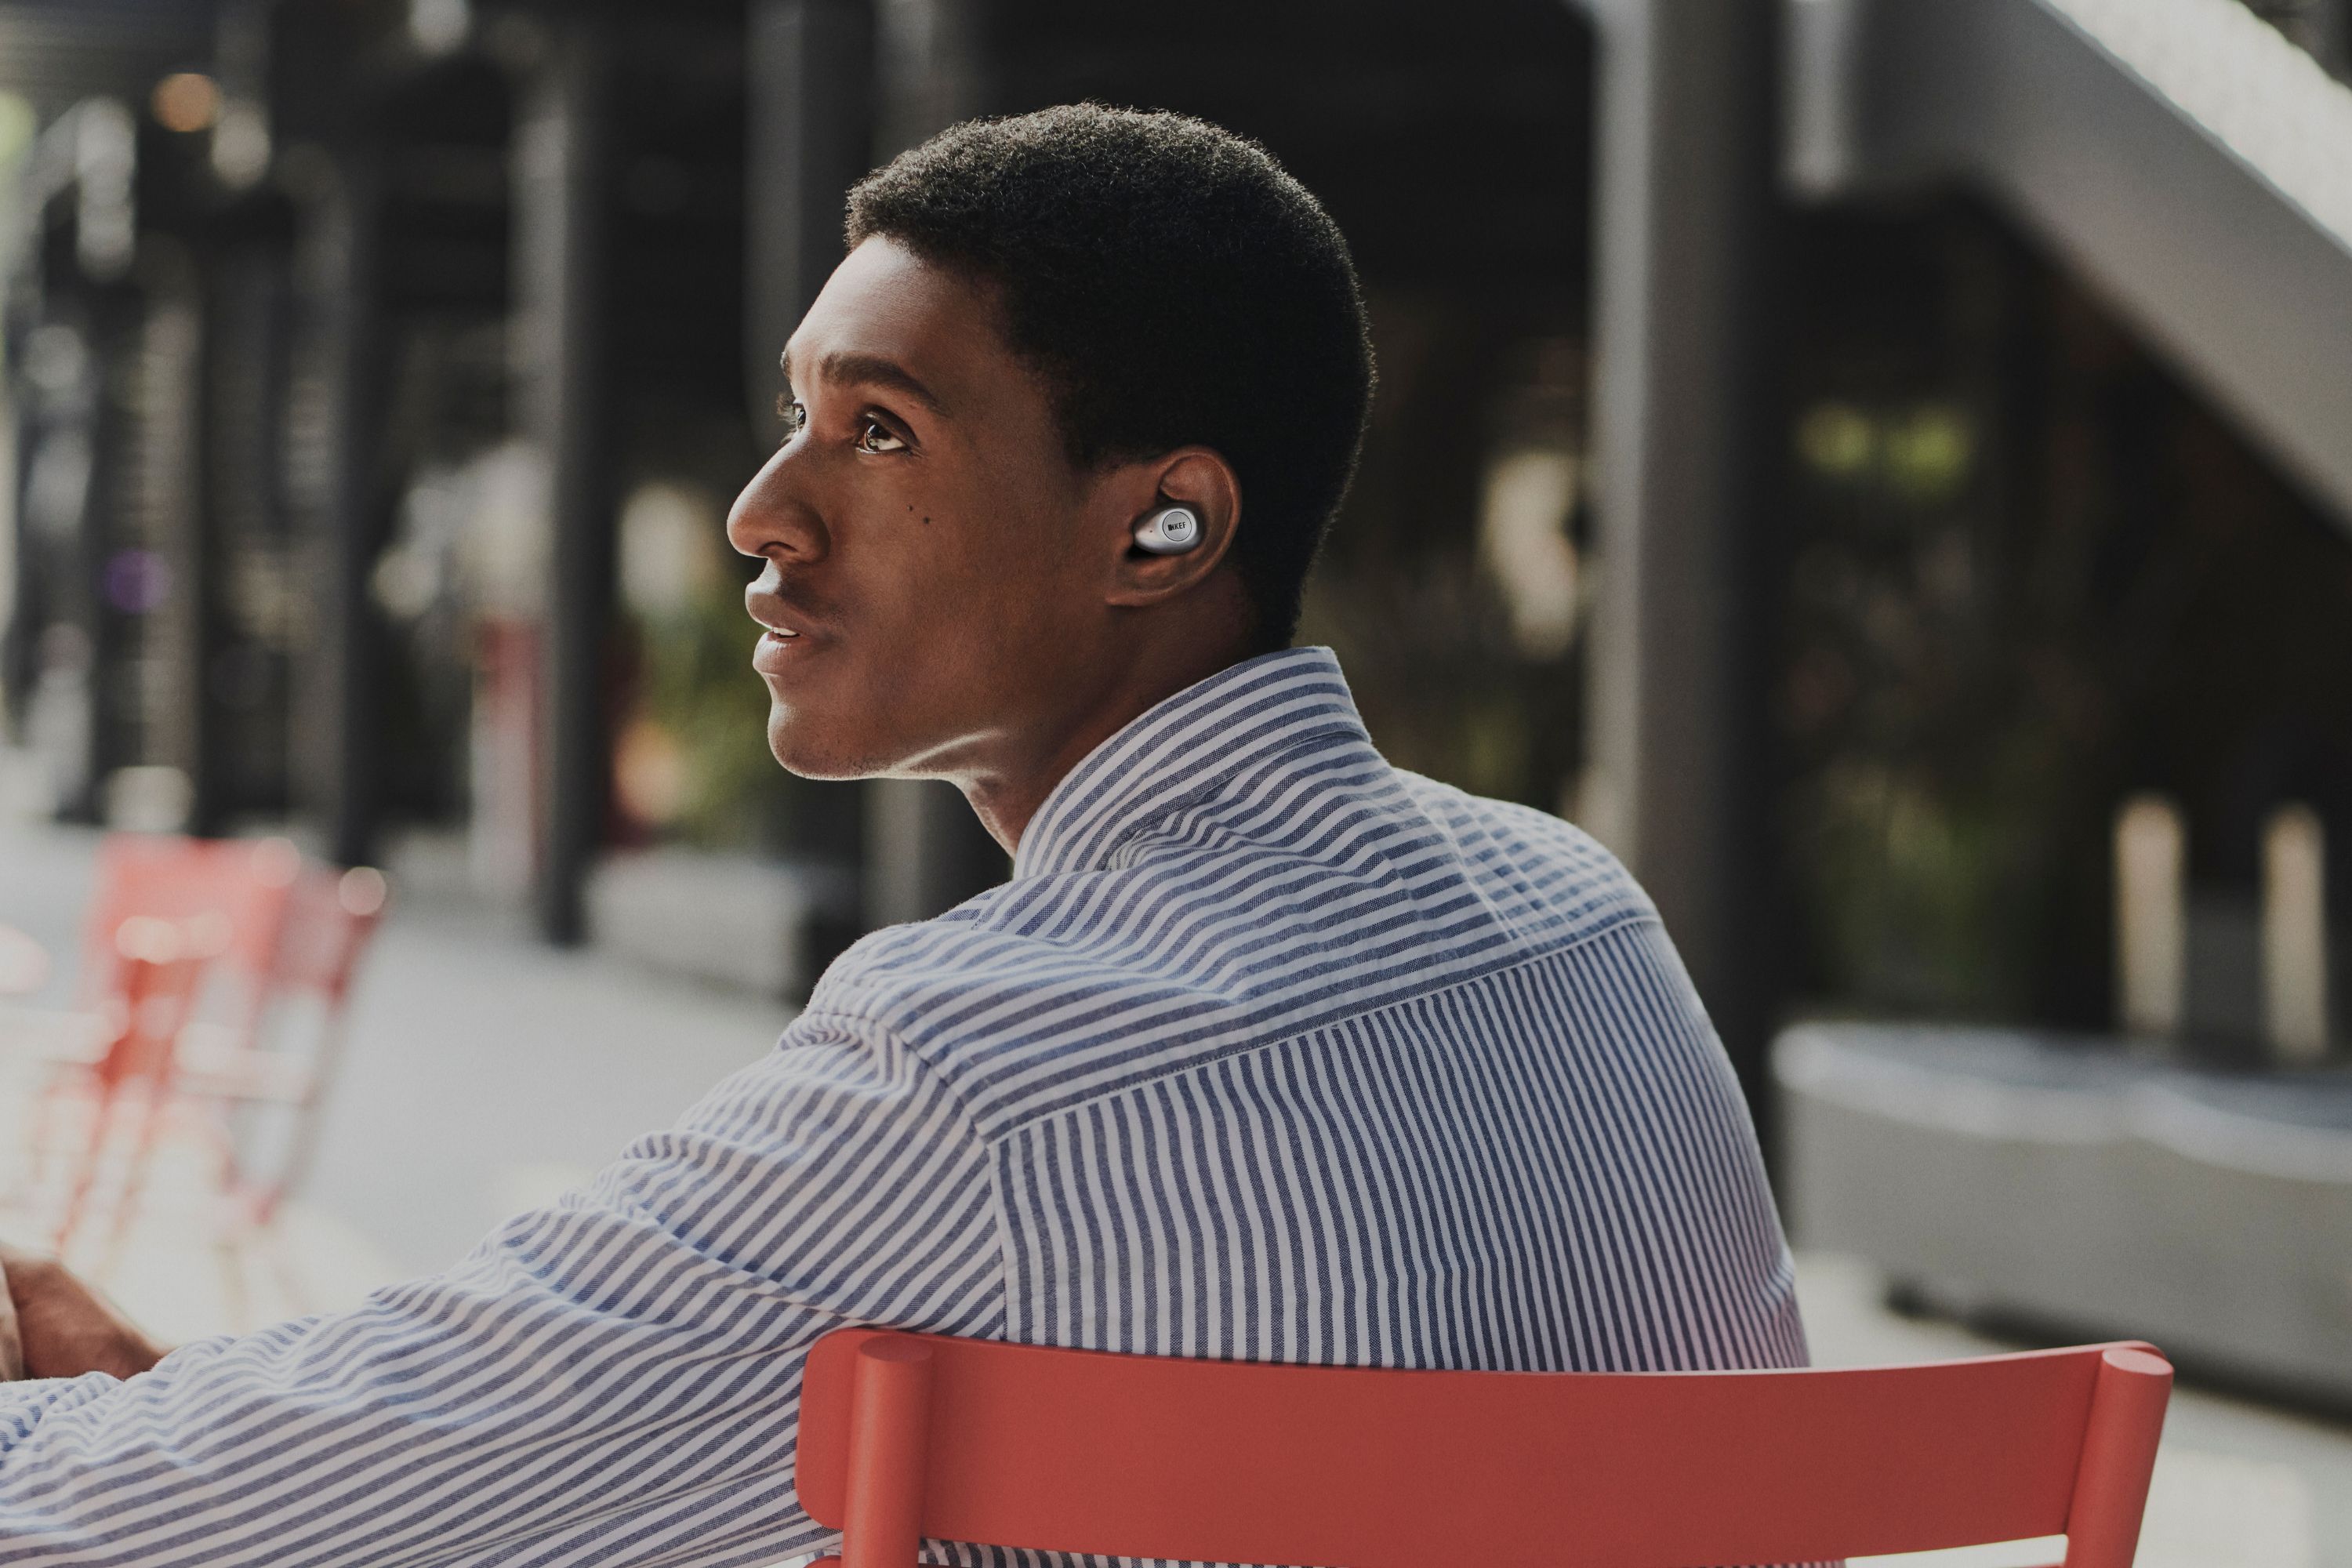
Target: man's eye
<point>876,437</point>
<point>795,417</point>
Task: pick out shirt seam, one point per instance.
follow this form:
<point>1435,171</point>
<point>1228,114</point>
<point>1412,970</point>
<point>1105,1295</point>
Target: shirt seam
<point>1208,785</point>
<point>1619,922</point>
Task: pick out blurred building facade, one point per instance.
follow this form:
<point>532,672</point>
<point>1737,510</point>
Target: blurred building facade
<point>443,332</point>
<point>1851,453</point>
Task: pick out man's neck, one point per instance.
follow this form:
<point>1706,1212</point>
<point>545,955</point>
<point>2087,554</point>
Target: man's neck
<point>1006,798</point>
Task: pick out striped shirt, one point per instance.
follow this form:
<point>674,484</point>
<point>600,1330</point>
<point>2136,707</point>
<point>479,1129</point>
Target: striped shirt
<point>1267,1050</point>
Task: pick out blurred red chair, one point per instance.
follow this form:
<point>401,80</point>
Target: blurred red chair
<point>332,917</point>
<point>157,971</point>
<point>242,887</point>
<point>292,936</point>
<point>905,1437</point>
<point>248,882</point>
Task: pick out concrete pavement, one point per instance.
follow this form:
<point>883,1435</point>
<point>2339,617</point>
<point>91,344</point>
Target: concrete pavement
<point>487,1073</point>
<point>483,1071</point>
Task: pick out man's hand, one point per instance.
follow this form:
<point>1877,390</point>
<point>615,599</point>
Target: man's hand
<point>53,1325</point>
<point>12,1347</point>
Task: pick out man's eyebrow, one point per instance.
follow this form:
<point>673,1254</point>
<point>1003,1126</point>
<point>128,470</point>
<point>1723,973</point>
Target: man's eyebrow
<point>851,368</point>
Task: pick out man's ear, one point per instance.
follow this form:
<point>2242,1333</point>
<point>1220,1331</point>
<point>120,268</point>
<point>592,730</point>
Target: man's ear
<point>1194,477</point>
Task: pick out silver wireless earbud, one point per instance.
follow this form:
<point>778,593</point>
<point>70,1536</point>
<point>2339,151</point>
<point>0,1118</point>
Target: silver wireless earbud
<point>1171,530</point>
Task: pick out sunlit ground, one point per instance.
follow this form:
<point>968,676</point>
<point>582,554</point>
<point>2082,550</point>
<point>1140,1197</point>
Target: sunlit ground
<point>487,1073</point>
<point>173,1260</point>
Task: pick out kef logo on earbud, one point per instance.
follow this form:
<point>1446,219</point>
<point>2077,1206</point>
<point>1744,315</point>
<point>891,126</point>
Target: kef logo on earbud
<point>1171,530</point>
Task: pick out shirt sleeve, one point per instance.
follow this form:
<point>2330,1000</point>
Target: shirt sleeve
<point>614,1379</point>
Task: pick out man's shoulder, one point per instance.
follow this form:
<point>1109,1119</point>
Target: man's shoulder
<point>1008,987</point>
<point>929,979</point>
<point>1559,872</point>
<point>1200,919</point>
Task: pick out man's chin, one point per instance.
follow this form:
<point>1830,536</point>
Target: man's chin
<point>804,748</point>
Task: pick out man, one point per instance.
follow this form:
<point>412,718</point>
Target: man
<point>1265,1051</point>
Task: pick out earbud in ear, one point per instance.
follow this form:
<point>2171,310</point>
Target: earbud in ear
<point>1171,530</point>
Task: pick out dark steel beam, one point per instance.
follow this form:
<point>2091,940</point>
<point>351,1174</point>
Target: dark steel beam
<point>924,851</point>
<point>809,125</point>
<point>811,122</point>
<point>165,512</point>
<point>562,180</point>
<point>2173,152</point>
<point>1684,236</point>
<point>340,703</point>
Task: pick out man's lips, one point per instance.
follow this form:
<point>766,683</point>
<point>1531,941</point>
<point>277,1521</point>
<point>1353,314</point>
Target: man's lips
<point>770,604</point>
<point>785,631</point>
<point>777,649</point>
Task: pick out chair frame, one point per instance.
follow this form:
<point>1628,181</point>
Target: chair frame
<point>331,918</point>
<point>905,1437</point>
<point>291,929</point>
<point>160,968</point>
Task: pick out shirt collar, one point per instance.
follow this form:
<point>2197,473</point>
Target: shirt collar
<point>1183,748</point>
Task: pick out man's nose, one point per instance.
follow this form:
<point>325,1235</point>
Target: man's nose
<point>772,516</point>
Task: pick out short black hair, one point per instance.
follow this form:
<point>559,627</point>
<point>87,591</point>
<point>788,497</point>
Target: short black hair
<point>1175,285</point>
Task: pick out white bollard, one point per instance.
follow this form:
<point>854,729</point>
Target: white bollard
<point>2151,926</point>
<point>2294,935</point>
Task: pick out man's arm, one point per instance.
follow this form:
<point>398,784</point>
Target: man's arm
<point>615,1378</point>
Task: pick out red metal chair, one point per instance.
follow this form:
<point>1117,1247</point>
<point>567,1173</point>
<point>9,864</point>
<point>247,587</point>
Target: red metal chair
<point>240,888</point>
<point>248,883</point>
<point>332,917</point>
<point>909,1436</point>
<point>158,971</point>
<point>293,935</point>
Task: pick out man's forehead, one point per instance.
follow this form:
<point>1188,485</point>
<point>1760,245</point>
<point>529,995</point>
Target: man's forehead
<point>884,300</point>
<point>884,303</point>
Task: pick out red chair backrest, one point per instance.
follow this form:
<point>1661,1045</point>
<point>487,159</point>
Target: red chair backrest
<point>246,882</point>
<point>907,1436</point>
<point>160,966</point>
<point>328,924</point>
<point>293,928</point>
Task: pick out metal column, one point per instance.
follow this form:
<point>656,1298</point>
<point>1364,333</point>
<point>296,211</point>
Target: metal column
<point>1685,507</point>
<point>562,152</point>
<point>341,731</point>
<point>811,115</point>
<point>925,852</point>
<point>813,110</point>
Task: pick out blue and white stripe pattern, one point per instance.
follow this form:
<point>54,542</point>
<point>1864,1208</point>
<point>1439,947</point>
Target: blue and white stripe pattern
<point>1267,1050</point>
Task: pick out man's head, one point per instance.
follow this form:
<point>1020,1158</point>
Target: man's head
<point>1046,326</point>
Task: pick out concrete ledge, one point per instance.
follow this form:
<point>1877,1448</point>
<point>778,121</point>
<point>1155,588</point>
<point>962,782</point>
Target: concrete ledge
<point>2065,1182</point>
<point>762,926</point>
